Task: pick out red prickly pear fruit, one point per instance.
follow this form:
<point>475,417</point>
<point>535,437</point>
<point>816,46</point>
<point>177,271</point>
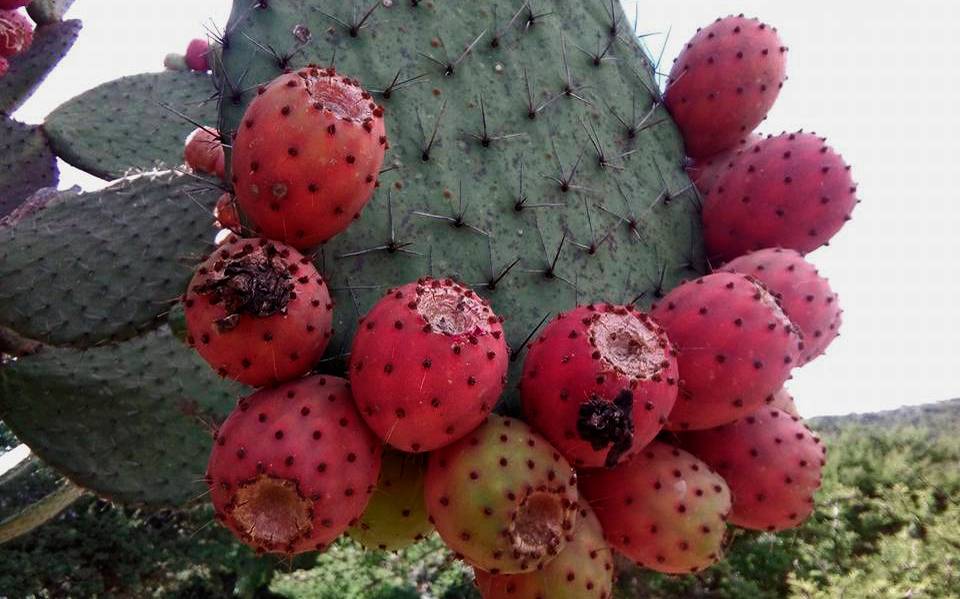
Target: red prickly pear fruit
<point>583,570</point>
<point>724,82</point>
<point>203,151</point>
<point>599,383</point>
<point>396,516</point>
<point>196,56</point>
<point>502,497</point>
<point>772,463</point>
<point>806,297</point>
<point>791,191</point>
<point>16,33</point>
<point>428,364</point>
<point>13,4</point>
<point>782,400</point>
<point>4,66</point>
<point>258,312</point>
<point>736,347</point>
<point>225,211</point>
<point>664,509</point>
<point>307,155</point>
<point>293,466</point>
<point>707,171</point>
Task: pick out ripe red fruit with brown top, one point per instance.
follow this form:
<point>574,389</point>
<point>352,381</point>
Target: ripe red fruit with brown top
<point>584,570</point>
<point>806,297</point>
<point>258,312</point>
<point>428,364</point>
<point>791,191</point>
<point>307,155</point>
<point>203,151</point>
<point>724,82</point>
<point>599,383</point>
<point>16,33</point>
<point>736,347</point>
<point>502,497</point>
<point>772,462</point>
<point>293,466</point>
<point>664,509</point>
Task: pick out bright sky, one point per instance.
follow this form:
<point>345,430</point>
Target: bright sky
<point>880,81</point>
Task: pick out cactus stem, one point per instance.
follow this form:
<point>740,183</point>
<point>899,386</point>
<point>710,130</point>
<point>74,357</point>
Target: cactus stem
<point>484,138</point>
<point>427,145</point>
<point>615,19</point>
<point>392,245</point>
<point>600,56</point>
<point>450,66</point>
<point>565,181</point>
<point>397,84</point>
<point>357,22</point>
<point>533,17</point>
<point>282,59</point>
<point>456,219</point>
<point>499,32</point>
<point>515,354</point>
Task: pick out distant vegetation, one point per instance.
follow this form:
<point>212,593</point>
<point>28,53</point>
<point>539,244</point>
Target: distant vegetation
<point>887,525</point>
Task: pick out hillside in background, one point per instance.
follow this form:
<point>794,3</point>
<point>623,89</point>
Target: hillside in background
<point>886,526</point>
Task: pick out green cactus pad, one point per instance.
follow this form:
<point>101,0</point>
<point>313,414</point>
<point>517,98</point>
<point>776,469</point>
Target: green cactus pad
<point>50,43</point>
<point>26,163</point>
<point>48,11</point>
<point>102,266</point>
<point>129,421</point>
<point>122,125</point>
<point>605,212</point>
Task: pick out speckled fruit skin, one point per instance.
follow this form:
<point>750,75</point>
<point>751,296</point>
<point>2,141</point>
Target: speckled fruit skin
<point>203,151</point>
<point>592,354</point>
<point>584,570</point>
<point>306,439</point>
<point>196,56</point>
<point>493,491</point>
<point>772,463</point>
<point>396,516</point>
<point>664,509</point>
<point>736,347</point>
<point>16,33</point>
<point>307,155</point>
<point>791,191</point>
<point>257,349</point>
<point>707,171</point>
<point>724,82</point>
<point>783,400</point>
<point>428,364</point>
<point>806,297</point>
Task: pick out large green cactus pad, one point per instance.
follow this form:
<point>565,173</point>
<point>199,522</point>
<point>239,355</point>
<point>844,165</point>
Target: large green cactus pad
<point>123,125</point>
<point>107,265</point>
<point>28,70</point>
<point>26,163</point>
<point>569,102</point>
<point>124,420</point>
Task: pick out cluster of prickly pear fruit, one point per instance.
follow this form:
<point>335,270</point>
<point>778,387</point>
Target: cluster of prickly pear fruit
<point>626,409</point>
<point>16,33</point>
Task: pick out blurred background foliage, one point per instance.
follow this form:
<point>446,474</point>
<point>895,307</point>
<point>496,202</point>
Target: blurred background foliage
<point>887,525</point>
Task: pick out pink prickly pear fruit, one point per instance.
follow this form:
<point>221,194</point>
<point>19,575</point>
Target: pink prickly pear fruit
<point>724,82</point>
<point>396,516</point>
<point>736,347</point>
<point>664,509</point>
<point>599,383</point>
<point>502,497</point>
<point>196,56</point>
<point>772,463</point>
<point>16,33</point>
<point>293,466</point>
<point>225,211</point>
<point>4,66</point>
<point>707,171</point>
<point>13,4</point>
<point>203,151</point>
<point>791,191</point>
<point>428,364</point>
<point>307,155</point>
<point>583,570</point>
<point>258,312</point>
<point>783,400</point>
<point>805,296</point>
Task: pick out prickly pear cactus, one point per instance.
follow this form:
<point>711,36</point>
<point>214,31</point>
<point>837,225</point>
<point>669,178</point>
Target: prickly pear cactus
<point>26,163</point>
<point>529,154</point>
<point>28,70</point>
